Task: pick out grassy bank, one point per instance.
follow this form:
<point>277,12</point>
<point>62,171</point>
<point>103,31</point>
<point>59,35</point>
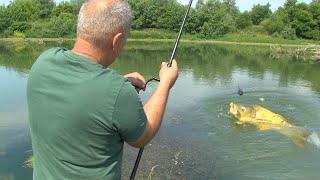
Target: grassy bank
<point>263,38</point>
<point>159,34</point>
<point>242,37</point>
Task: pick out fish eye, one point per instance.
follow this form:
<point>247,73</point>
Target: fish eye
<point>243,109</point>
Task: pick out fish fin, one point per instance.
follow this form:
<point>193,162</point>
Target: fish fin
<point>264,127</point>
<point>296,134</point>
<point>239,122</point>
<point>298,141</point>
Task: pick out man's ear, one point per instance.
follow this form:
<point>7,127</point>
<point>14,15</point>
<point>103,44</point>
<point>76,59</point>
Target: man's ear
<point>117,42</point>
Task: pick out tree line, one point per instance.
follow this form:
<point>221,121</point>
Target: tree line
<point>208,19</point>
<point>39,18</point>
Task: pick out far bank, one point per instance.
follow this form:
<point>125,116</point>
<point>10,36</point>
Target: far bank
<point>301,50</point>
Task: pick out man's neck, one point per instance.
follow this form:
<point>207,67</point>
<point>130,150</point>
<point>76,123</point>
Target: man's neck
<point>95,54</point>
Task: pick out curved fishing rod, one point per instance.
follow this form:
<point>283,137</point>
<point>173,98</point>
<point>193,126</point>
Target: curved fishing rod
<point>136,165</point>
<point>180,33</point>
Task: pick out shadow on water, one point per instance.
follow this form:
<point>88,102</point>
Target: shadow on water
<point>199,140</point>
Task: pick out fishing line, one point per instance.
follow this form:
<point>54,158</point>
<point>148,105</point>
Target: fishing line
<point>136,165</point>
<point>240,91</point>
<point>152,79</point>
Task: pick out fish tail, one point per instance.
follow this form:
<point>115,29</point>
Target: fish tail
<point>298,135</point>
<point>314,139</point>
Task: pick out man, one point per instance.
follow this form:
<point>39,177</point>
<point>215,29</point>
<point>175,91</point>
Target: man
<point>80,111</point>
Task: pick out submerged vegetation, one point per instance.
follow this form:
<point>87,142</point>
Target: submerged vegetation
<point>209,19</point>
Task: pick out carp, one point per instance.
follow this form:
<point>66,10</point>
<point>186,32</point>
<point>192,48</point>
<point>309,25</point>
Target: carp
<point>265,119</point>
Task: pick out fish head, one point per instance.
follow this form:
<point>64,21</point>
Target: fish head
<point>242,112</point>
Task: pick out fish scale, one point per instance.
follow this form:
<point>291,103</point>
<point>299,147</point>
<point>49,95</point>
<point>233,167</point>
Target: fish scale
<point>265,119</point>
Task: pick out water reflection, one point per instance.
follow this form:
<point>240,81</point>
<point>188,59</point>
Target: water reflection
<point>199,139</point>
<point>207,62</point>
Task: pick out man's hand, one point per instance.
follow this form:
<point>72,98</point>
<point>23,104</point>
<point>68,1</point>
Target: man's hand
<point>156,105</point>
<point>137,80</point>
<point>168,75</point>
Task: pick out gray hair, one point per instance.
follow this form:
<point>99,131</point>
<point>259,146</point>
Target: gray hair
<point>99,20</point>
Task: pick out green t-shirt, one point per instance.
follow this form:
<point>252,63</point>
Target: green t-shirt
<point>80,114</point>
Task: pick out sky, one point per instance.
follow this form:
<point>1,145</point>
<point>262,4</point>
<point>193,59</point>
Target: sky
<point>242,4</point>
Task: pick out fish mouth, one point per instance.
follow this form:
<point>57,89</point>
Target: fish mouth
<point>232,108</point>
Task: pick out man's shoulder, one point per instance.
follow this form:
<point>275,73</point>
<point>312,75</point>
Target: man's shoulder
<point>127,91</point>
<point>42,62</point>
<point>111,76</point>
<point>125,87</point>
<point>50,52</point>
<point>46,56</point>
<point>116,75</point>
<point>113,83</point>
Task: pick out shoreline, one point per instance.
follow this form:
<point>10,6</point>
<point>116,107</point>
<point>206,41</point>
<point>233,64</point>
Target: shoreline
<point>60,40</point>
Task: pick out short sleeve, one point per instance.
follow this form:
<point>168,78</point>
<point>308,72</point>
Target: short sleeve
<point>129,117</point>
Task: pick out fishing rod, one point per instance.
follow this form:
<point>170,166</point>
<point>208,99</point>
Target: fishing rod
<point>136,165</point>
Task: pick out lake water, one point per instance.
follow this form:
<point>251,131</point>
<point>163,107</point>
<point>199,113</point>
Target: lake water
<point>198,139</point>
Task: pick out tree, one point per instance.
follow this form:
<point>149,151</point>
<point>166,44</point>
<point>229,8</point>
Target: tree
<point>315,11</point>
<point>231,7</point>
<point>63,25</point>
<point>21,26</point>
<point>23,10</point>
<point>193,24</point>
<point>260,13</point>
<point>143,11</point>
<point>295,20</point>
<point>76,5</point>
<point>289,7</point>
<point>275,24</point>
<point>171,18</point>
<point>303,22</point>
<point>63,7</point>
<point>161,14</point>
<point>215,19</point>
<point>244,20</point>
<point>199,4</point>
<point>4,19</point>
<point>208,19</point>
<point>290,4</point>
<point>46,7</point>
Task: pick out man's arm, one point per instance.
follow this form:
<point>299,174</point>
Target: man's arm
<point>155,107</point>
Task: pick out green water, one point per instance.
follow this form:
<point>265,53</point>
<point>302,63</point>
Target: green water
<point>198,139</point>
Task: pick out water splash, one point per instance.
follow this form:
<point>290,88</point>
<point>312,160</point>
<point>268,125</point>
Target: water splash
<point>314,139</point>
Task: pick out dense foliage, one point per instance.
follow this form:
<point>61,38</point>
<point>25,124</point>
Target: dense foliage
<point>295,20</point>
<point>39,18</point>
<point>208,19</point>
